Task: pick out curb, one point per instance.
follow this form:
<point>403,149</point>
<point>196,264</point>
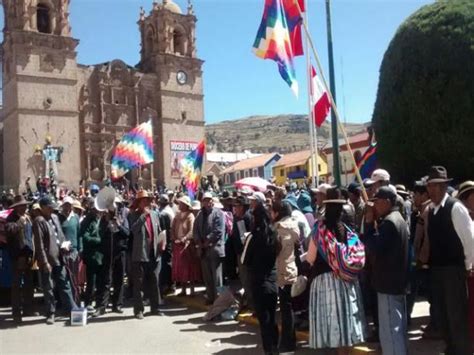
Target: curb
<point>247,318</point>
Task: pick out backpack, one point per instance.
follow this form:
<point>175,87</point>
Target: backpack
<point>346,261</point>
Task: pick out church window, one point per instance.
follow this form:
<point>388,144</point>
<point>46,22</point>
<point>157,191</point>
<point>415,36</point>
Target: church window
<point>43,18</point>
<point>150,41</point>
<point>178,42</point>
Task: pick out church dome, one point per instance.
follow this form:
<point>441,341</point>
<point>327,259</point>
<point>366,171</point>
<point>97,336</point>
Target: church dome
<point>171,6</point>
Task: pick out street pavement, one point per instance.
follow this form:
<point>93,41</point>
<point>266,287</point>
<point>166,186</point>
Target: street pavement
<point>180,331</point>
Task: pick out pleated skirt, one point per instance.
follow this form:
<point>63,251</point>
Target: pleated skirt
<point>336,313</point>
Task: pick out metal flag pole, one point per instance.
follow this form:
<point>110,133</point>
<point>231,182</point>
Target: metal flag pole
<point>312,137</point>
<point>332,82</point>
<point>333,105</point>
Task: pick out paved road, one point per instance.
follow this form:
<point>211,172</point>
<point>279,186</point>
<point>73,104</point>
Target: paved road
<point>180,331</point>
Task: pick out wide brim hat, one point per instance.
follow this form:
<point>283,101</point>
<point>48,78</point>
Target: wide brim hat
<point>334,196</point>
<point>185,200</point>
<point>20,201</point>
<point>76,204</point>
<point>465,187</point>
<point>437,175</point>
<point>401,190</point>
<point>142,194</point>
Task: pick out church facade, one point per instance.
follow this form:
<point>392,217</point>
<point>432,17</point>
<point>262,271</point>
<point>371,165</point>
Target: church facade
<point>57,109</point>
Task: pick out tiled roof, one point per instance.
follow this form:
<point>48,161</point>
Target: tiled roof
<point>293,159</point>
<point>249,163</point>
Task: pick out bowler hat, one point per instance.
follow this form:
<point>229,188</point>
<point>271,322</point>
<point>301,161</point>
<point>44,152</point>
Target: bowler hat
<point>438,174</point>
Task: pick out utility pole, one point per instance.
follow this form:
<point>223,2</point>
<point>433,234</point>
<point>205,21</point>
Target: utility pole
<point>332,83</point>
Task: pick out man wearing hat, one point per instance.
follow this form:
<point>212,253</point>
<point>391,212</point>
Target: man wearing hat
<point>70,226</point>
<point>19,234</point>
<point>451,237</point>
<point>50,243</point>
<point>389,244</point>
<point>92,253</point>
<point>148,245</point>
<point>466,196</point>
<point>355,197</point>
<point>209,230</point>
<point>167,215</point>
<point>241,225</point>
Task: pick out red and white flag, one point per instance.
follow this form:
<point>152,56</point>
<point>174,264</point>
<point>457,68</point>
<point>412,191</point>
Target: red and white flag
<point>319,99</point>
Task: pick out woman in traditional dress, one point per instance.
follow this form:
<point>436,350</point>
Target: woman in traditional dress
<point>185,264</point>
<point>336,314</point>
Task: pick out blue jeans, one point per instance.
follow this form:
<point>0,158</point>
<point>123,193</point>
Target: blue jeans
<point>392,324</point>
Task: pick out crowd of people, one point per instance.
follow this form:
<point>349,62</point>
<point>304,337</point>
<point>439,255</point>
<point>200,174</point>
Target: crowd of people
<point>326,257</point>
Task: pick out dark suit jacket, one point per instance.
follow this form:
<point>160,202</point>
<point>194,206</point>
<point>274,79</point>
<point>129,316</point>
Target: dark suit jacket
<point>140,249</point>
<point>46,245</point>
<point>211,229</point>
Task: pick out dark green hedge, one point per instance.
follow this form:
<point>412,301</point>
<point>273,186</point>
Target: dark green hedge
<point>424,112</point>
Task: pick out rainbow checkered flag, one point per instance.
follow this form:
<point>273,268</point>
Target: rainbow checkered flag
<point>279,37</point>
<point>192,166</point>
<point>134,149</point>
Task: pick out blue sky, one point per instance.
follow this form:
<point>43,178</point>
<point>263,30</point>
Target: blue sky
<point>238,84</point>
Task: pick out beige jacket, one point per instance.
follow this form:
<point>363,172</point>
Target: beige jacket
<point>422,242</point>
<point>288,236</point>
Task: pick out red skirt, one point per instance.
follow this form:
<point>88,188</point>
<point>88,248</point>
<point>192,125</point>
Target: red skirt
<point>186,265</point>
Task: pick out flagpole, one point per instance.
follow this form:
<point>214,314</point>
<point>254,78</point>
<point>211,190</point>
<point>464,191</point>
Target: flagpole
<point>333,104</point>
<point>152,164</point>
<point>312,137</point>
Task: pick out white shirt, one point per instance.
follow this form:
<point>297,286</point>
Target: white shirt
<point>464,227</point>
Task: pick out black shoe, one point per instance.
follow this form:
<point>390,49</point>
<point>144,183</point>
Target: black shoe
<point>50,319</point>
<point>139,315</point>
<point>31,314</point>
<point>98,312</point>
<point>156,312</point>
<point>117,309</point>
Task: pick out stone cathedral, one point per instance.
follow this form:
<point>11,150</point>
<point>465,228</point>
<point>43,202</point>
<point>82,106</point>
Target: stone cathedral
<point>65,118</point>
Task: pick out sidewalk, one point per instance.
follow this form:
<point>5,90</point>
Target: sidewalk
<point>417,345</point>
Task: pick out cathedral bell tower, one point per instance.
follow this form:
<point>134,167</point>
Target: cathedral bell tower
<point>168,52</point>
<point>39,92</point>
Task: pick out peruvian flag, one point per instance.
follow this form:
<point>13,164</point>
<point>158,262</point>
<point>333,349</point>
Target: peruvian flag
<point>319,99</point>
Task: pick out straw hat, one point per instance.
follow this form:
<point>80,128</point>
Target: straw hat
<point>76,204</point>
<point>464,188</point>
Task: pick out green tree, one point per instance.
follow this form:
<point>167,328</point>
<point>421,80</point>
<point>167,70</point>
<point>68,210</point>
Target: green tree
<point>424,112</point>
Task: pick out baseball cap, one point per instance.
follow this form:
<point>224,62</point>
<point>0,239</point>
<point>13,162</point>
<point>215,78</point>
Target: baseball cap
<point>379,175</point>
<point>47,202</point>
<point>258,196</point>
<point>385,193</point>
<point>68,199</point>
<point>354,187</point>
<point>323,188</point>
<point>207,195</point>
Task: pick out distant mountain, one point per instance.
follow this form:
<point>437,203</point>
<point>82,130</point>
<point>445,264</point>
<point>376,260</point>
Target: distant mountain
<point>267,134</point>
